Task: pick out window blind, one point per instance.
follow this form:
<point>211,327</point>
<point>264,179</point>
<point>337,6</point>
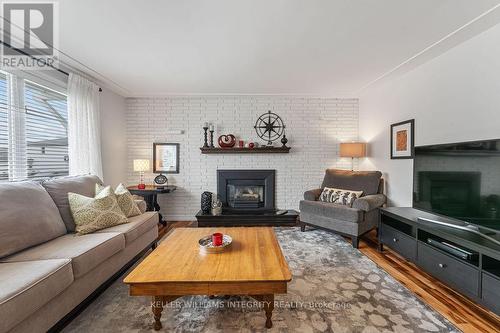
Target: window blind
<point>4,128</point>
<point>46,122</point>
<point>33,130</point>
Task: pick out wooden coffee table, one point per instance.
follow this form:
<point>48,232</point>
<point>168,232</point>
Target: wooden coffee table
<point>253,266</point>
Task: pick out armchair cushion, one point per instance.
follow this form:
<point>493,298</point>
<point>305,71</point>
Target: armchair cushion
<point>312,195</point>
<point>330,210</point>
<point>369,202</point>
<point>366,181</point>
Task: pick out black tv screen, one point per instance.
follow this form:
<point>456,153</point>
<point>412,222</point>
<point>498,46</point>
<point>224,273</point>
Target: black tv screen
<point>460,180</point>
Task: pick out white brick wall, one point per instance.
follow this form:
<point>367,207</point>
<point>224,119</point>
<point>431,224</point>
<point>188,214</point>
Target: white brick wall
<point>315,127</point>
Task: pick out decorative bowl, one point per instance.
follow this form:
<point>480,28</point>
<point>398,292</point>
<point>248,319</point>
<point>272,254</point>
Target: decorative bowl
<point>206,245</point>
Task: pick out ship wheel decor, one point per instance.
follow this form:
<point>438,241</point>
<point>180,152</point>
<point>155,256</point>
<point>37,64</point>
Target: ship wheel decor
<point>269,127</point>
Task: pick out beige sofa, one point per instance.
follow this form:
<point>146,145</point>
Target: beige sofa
<point>45,269</point>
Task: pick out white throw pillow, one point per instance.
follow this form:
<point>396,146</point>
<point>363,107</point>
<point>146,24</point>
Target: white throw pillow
<point>339,196</point>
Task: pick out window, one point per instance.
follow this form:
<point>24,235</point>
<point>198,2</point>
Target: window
<point>4,128</point>
<point>33,130</point>
<point>46,131</point>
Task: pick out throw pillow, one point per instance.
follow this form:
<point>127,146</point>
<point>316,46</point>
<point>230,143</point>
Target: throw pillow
<point>339,196</point>
<point>125,200</point>
<point>92,214</point>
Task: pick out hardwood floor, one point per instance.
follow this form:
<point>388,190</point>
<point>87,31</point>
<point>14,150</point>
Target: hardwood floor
<point>465,314</point>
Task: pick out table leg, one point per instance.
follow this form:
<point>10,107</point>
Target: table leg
<point>157,207</point>
<point>157,308</point>
<point>268,308</point>
<point>268,302</point>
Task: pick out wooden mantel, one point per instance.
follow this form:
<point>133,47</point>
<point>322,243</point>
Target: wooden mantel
<point>255,150</point>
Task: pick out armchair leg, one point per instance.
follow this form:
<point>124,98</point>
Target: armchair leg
<point>355,242</point>
<point>302,226</point>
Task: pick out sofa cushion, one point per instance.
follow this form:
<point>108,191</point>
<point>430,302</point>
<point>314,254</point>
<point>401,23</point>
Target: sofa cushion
<point>95,213</point>
<point>334,211</point>
<point>366,181</point>
<point>58,189</point>
<point>125,200</point>
<point>28,217</point>
<point>85,252</point>
<point>136,227</point>
<point>27,286</point>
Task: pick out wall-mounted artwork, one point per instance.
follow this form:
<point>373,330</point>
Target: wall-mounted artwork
<point>403,139</point>
<point>166,157</point>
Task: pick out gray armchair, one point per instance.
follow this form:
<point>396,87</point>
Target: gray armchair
<point>349,221</point>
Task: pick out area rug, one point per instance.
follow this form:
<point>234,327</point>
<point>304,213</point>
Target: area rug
<point>335,288</point>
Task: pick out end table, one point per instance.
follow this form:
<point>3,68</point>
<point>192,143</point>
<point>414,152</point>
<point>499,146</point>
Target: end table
<point>150,195</point>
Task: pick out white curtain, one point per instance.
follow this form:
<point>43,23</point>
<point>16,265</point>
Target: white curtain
<point>84,127</point>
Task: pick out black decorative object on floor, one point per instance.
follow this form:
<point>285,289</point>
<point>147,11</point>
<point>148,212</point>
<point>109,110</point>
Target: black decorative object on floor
<point>206,202</point>
<point>269,127</point>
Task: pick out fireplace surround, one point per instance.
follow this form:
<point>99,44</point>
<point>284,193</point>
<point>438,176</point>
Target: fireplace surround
<point>246,190</point>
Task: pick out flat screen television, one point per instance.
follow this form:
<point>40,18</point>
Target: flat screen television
<point>459,180</point>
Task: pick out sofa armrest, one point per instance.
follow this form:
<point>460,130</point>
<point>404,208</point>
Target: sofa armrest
<point>369,202</point>
<point>312,195</point>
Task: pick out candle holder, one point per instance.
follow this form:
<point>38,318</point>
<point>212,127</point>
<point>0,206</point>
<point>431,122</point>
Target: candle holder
<point>205,144</point>
<point>212,138</point>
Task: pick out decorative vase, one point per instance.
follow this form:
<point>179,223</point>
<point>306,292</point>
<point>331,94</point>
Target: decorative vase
<point>206,202</point>
<point>227,141</point>
<point>284,140</point>
<point>217,206</point>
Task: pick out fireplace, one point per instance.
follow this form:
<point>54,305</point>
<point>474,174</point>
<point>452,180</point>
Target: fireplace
<point>246,190</point>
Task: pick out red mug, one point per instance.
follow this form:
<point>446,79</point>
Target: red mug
<point>241,143</point>
<point>217,239</point>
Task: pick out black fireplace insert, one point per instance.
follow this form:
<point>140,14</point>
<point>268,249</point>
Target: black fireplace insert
<point>246,190</point>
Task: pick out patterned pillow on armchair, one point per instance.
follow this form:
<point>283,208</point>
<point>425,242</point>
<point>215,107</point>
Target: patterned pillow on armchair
<point>339,196</point>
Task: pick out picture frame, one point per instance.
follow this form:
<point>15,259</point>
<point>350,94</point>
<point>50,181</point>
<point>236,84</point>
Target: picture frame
<point>403,140</point>
<point>166,158</point>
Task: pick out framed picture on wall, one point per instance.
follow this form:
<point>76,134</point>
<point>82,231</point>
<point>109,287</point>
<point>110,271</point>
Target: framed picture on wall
<point>166,157</point>
<point>403,139</point>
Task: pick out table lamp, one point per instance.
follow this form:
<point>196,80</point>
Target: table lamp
<point>353,150</point>
<point>141,166</point>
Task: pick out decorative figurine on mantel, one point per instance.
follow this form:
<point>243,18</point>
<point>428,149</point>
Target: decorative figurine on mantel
<point>211,136</point>
<point>284,141</point>
<point>269,127</point>
<point>205,129</point>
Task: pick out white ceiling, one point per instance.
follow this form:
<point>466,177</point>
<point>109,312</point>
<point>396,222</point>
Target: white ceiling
<point>325,47</point>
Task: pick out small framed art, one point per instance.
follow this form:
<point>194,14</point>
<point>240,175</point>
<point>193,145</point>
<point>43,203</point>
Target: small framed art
<point>166,157</point>
<point>403,139</point>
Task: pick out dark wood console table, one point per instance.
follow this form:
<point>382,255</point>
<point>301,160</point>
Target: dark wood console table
<point>401,229</point>
<point>150,195</point>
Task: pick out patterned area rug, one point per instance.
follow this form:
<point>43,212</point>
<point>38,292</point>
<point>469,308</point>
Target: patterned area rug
<point>335,288</point>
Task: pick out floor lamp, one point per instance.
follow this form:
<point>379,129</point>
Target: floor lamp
<point>353,150</point>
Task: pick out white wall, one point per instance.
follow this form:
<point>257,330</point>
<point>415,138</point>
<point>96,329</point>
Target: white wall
<point>113,139</point>
<point>315,126</point>
<point>454,97</point>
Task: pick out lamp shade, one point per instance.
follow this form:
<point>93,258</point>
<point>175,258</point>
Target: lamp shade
<point>353,149</point>
<point>141,165</point>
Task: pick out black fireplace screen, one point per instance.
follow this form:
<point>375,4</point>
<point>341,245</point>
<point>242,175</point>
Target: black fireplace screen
<point>245,196</point>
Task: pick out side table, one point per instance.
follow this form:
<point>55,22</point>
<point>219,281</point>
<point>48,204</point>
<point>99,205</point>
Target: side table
<point>150,195</point>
